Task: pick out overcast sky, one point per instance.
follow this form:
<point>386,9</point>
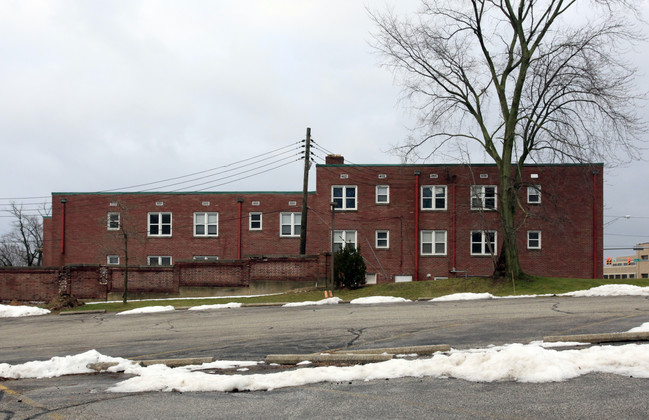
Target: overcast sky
<point>102,95</point>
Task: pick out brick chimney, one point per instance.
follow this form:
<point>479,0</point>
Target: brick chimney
<point>335,160</point>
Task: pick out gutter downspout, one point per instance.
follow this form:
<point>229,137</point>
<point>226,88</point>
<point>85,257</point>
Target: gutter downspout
<point>240,204</point>
<point>453,228</point>
<point>595,218</point>
<point>63,201</point>
<point>416,276</point>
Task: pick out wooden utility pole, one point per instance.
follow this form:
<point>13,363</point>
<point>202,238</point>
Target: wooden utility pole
<point>305,191</point>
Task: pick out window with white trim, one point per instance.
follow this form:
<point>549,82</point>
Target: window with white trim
<point>483,242</point>
<point>344,238</point>
<point>382,239</point>
<point>433,197</point>
<point>433,242</point>
<point>113,220</point>
<point>344,196</point>
<point>534,194</point>
<point>290,224</point>
<point>112,259</point>
<point>382,194</point>
<point>156,260</point>
<point>206,224</point>
<point>159,224</point>
<point>533,239</point>
<point>254,221</point>
<point>483,197</point>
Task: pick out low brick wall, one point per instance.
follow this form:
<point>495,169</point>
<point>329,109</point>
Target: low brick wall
<point>42,284</point>
<point>233,273</point>
<point>144,279</point>
<point>26,284</point>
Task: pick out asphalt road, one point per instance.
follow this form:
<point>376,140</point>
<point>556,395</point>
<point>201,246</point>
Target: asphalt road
<point>252,333</point>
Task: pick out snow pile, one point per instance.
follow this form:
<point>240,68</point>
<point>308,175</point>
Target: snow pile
<point>58,366</point>
<point>642,328</point>
<point>328,301</point>
<point>147,310</point>
<point>463,296</point>
<point>378,299</point>
<point>513,362</point>
<point>611,290</point>
<point>9,311</point>
<point>216,306</point>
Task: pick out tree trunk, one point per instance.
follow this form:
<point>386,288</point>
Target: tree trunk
<point>508,265</point>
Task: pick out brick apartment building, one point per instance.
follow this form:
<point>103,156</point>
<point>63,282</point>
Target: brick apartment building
<point>411,222</point>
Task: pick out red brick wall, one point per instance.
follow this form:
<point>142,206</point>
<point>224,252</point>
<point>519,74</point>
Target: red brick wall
<point>28,284</point>
<point>94,282</point>
<point>569,217</point>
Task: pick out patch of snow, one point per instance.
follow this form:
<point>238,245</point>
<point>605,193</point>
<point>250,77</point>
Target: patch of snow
<point>378,299</point>
<point>611,290</point>
<point>328,301</point>
<point>216,306</point>
<point>304,363</point>
<point>58,366</point>
<point>513,362</point>
<point>463,296</point>
<point>642,328</point>
<point>10,311</point>
<point>147,310</point>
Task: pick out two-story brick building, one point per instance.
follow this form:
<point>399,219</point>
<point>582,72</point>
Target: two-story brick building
<point>411,222</point>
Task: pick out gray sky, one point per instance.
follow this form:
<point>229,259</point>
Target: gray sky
<point>101,95</point>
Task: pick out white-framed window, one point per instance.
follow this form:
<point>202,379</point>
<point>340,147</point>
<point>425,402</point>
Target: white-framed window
<point>483,197</point>
<point>159,224</point>
<point>112,221</point>
<point>483,242</point>
<point>433,197</point>
<point>533,239</point>
<point>344,196</point>
<point>344,238</point>
<point>159,260</point>
<point>433,242</point>
<point>534,194</point>
<point>290,224</point>
<point>206,224</point>
<point>382,239</point>
<point>112,259</point>
<point>205,257</point>
<point>382,194</point>
<point>254,220</point>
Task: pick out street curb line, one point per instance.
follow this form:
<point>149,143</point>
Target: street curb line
<point>91,311</point>
<point>294,359</point>
<point>419,350</point>
<point>169,362</point>
<point>599,338</point>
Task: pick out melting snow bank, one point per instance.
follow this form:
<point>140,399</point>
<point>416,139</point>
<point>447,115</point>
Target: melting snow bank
<point>378,299</point>
<point>147,310</point>
<point>514,362</point>
<point>10,311</point>
<point>611,290</point>
<point>230,305</point>
<point>463,296</point>
<point>328,301</point>
<point>59,366</point>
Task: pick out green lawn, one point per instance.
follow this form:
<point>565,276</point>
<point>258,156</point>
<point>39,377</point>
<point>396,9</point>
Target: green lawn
<point>413,291</point>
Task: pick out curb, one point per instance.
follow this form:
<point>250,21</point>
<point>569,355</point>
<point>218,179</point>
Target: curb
<point>169,362</point>
<point>419,350</point>
<point>92,311</point>
<point>294,359</point>
<point>599,338</point>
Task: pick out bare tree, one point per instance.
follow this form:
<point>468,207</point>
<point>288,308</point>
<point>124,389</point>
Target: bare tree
<point>525,80</point>
<point>23,245</point>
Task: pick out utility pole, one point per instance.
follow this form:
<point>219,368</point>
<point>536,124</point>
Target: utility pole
<point>305,191</point>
